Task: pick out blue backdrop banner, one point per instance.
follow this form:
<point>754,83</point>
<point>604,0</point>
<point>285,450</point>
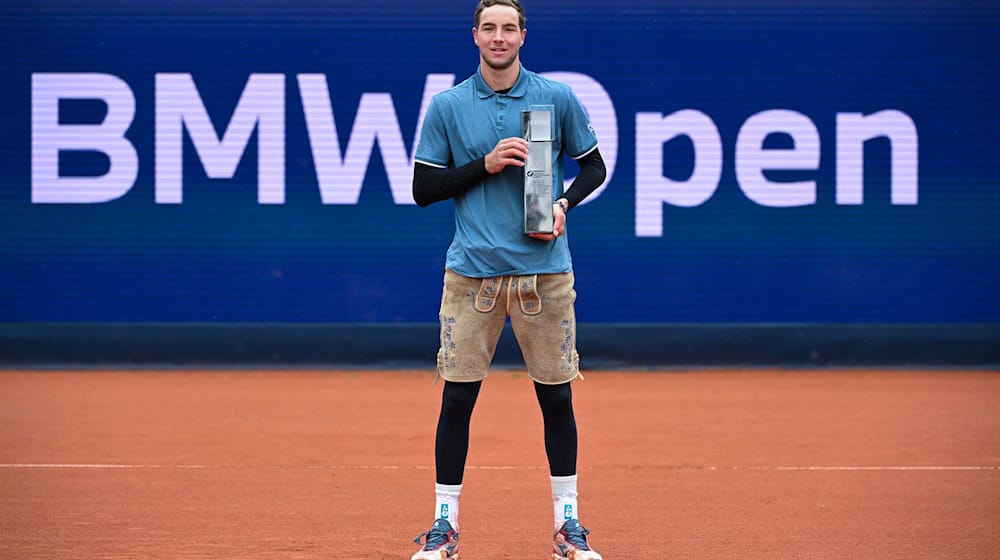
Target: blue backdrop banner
<point>250,162</point>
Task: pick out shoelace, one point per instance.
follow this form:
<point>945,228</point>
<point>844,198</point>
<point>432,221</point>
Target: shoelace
<point>436,538</point>
<point>576,535</point>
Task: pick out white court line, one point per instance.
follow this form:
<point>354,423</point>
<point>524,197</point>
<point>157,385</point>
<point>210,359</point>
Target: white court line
<point>890,468</point>
<point>834,468</point>
<point>99,466</point>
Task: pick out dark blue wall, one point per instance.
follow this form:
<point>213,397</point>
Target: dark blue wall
<point>222,258</point>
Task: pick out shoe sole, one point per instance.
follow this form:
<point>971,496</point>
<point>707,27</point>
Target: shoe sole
<point>444,556</point>
<point>572,556</point>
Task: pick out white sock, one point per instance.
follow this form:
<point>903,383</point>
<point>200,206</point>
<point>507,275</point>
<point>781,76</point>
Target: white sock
<point>446,504</point>
<point>564,503</point>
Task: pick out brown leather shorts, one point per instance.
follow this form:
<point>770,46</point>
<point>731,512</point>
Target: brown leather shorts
<point>541,311</point>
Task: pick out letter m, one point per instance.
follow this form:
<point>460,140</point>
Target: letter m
<point>261,106</point>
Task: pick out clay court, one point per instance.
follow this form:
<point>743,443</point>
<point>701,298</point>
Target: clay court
<point>693,464</point>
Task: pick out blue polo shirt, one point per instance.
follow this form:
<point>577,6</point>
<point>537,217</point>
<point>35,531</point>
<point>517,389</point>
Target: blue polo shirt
<point>465,123</point>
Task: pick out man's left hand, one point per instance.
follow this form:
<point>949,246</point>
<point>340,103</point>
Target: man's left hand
<point>558,225</point>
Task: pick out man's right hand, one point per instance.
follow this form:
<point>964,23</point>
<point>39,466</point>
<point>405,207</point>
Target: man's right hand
<point>509,151</point>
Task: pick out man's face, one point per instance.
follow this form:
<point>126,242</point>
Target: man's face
<point>499,36</point>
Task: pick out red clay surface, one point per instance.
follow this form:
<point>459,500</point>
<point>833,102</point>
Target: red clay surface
<point>704,464</point>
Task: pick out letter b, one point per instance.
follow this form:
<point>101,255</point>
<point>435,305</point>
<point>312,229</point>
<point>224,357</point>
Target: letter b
<point>48,138</point>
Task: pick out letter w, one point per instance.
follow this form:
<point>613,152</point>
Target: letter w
<point>341,177</point>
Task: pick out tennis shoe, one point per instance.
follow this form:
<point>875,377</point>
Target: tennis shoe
<point>570,543</point>
<point>440,543</point>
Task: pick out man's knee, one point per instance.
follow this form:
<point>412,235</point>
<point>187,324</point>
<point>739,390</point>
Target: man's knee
<point>458,399</point>
<point>555,399</point>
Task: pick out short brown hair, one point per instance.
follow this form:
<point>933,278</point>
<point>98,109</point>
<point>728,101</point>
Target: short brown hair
<point>516,4</point>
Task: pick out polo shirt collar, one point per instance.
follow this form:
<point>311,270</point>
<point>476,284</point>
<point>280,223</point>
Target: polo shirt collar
<point>519,89</point>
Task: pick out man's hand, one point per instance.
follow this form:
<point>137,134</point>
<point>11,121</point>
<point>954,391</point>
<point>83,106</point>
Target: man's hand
<point>509,151</point>
<point>558,225</point>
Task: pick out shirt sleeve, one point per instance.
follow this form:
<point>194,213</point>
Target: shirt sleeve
<point>432,147</point>
<point>579,138</point>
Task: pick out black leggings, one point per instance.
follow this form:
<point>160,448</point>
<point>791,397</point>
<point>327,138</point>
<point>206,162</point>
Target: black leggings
<point>452,442</point>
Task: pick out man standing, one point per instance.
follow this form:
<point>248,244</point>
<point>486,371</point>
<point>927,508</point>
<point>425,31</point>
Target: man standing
<point>471,150</point>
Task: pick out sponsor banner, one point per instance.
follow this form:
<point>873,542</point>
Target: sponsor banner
<point>251,162</point>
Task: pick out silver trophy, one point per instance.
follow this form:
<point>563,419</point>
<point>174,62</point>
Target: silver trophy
<point>537,125</point>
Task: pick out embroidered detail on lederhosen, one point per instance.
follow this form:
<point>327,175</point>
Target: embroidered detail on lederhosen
<point>489,290</point>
